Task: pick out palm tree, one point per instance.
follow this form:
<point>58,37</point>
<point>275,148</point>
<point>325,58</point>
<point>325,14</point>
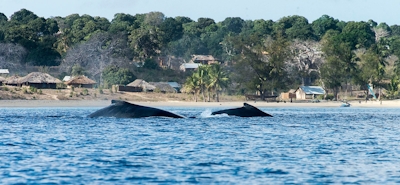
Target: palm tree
<point>192,86</point>
<point>202,77</point>
<point>393,87</point>
<point>218,79</point>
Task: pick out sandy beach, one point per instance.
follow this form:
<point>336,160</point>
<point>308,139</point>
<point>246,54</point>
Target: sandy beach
<point>103,103</point>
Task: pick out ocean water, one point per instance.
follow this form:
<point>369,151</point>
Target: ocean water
<point>296,146</point>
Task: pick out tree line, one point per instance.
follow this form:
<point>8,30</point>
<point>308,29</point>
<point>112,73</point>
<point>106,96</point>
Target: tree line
<point>261,56</point>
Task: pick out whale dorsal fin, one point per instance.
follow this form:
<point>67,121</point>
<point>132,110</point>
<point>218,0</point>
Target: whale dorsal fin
<point>117,101</point>
<point>246,105</point>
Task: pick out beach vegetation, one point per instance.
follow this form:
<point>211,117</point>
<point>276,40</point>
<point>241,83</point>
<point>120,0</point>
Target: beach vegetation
<point>25,90</point>
<point>85,92</point>
<point>263,57</point>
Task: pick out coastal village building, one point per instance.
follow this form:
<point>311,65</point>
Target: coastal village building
<point>164,87</point>
<point>4,72</point>
<point>80,82</point>
<point>308,92</point>
<point>12,80</point>
<point>169,62</point>
<point>203,59</point>
<point>175,85</point>
<point>39,80</point>
<point>2,79</point>
<point>288,95</point>
<point>138,85</point>
<point>198,60</point>
<point>66,78</point>
<point>189,67</point>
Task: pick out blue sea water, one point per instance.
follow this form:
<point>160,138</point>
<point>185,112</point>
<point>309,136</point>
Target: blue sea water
<point>296,146</point>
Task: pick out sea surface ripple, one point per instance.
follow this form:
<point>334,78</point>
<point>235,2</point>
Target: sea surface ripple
<point>296,146</point>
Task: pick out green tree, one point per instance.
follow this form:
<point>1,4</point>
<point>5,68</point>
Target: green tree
<point>37,35</point>
<point>393,88</point>
<point>122,23</point>
<point>23,16</point>
<point>204,23</point>
<point>3,25</point>
<point>192,86</point>
<point>218,79</point>
<point>233,24</point>
<point>150,64</point>
<point>372,67</point>
<point>114,75</point>
<point>261,63</point>
<point>323,24</point>
<point>339,66</point>
<point>202,77</point>
<point>171,30</point>
<point>294,27</point>
<point>358,34</point>
<point>77,70</point>
<point>395,29</point>
<point>263,27</point>
<point>182,20</point>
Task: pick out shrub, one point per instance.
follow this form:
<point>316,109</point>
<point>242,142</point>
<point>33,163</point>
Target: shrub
<point>33,89</point>
<point>328,97</point>
<point>24,90</point>
<point>40,91</point>
<point>85,92</point>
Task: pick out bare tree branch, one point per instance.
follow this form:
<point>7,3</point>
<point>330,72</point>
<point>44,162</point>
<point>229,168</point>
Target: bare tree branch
<point>12,56</point>
<point>96,54</point>
<point>307,58</point>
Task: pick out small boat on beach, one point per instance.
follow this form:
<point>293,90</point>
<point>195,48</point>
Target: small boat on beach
<point>346,104</point>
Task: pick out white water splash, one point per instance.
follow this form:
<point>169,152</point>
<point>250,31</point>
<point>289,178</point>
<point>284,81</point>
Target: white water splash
<point>207,114</point>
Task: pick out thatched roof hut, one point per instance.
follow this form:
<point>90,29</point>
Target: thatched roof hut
<point>39,80</point>
<point>163,87</point>
<point>80,81</point>
<point>143,84</point>
<point>12,80</point>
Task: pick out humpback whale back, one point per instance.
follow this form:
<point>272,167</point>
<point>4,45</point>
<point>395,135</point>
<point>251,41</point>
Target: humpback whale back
<point>123,109</point>
<point>246,111</point>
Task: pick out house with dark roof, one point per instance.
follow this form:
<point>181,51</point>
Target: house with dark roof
<point>309,92</point>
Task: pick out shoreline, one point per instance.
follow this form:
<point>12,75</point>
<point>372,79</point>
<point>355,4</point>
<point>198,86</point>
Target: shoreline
<point>104,103</point>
